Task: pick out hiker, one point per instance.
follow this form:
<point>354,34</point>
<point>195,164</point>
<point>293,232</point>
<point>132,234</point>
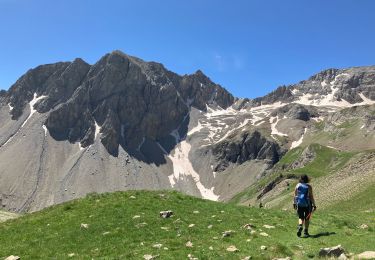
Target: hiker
<point>304,203</point>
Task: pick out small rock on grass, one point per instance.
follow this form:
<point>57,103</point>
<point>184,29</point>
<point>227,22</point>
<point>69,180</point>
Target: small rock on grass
<point>132,197</point>
<point>157,246</point>
<point>191,257</point>
<point>246,258</point>
<point>268,226</point>
<point>196,211</point>
<point>232,249</point>
<point>363,226</point>
<point>367,255</point>
<point>263,248</point>
<point>211,248</point>
<point>248,226</point>
<point>71,255</point>
<point>191,225</point>
<point>282,258</point>
<point>264,234</point>
<point>106,233</point>
<point>84,226</point>
<point>209,226</point>
<point>12,257</point>
<point>189,244</point>
<point>335,251</point>
<point>227,233</point>
<point>166,214</point>
<point>150,257</point>
<point>136,216</point>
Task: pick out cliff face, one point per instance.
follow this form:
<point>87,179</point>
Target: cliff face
<point>122,97</point>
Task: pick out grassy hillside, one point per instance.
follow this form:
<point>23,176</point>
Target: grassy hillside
<point>126,225</point>
<point>337,177</point>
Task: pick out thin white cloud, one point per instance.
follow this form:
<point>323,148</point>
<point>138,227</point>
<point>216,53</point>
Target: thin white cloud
<point>219,62</point>
<point>230,62</point>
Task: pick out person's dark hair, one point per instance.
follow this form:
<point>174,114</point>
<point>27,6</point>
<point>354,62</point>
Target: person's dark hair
<point>304,179</point>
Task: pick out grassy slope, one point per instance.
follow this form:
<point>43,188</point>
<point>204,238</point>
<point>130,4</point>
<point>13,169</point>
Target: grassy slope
<point>55,232</point>
<point>327,161</point>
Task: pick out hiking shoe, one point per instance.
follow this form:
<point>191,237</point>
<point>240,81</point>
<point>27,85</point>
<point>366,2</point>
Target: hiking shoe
<point>306,234</point>
<point>299,231</point>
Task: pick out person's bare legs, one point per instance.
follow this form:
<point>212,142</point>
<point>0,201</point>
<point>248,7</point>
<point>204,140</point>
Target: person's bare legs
<point>300,227</point>
<point>306,231</point>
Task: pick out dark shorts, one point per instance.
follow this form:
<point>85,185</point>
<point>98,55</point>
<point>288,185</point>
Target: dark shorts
<point>304,212</point>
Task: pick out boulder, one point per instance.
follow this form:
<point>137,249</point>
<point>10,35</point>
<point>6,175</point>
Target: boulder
<point>166,214</point>
<point>12,257</point>
<point>227,233</point>
<point>331,251</point>
<point>366,255</point>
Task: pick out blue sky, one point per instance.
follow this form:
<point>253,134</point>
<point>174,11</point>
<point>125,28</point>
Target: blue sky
<point>248,46</point>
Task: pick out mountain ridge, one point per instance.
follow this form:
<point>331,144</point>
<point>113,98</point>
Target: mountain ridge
<point>123,123</point>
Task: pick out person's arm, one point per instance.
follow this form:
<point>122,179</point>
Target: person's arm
<point>311,197</point>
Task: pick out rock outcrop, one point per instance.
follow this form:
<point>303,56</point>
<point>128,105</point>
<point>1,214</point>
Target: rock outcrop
<point>246,146</point>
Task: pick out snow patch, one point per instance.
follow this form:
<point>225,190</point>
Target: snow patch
<point>263,108</point>
<point>244,123</point>
<point>299,141</point>
<point>10,139</point>
<point>10,107</point>
<point>80,146</point>
<point>183,167</point>
<point>32,110</point>
<point>98,128</point>
<point>317,119</point>
<point>366,101</point>
<point>195,129</point>
<point>323,83</point>
<point>273,121</point>
<point>45,130</point>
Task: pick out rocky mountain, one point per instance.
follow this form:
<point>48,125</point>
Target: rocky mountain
<point>70,128</point>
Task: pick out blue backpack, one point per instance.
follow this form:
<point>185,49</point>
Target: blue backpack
<point>302,198</point>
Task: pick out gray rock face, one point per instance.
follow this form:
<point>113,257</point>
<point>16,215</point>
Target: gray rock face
<point>296,111</point>
<point>57,81</point>
<point>246,146</point>
<point>127,98</point>
<point>343,84</point>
